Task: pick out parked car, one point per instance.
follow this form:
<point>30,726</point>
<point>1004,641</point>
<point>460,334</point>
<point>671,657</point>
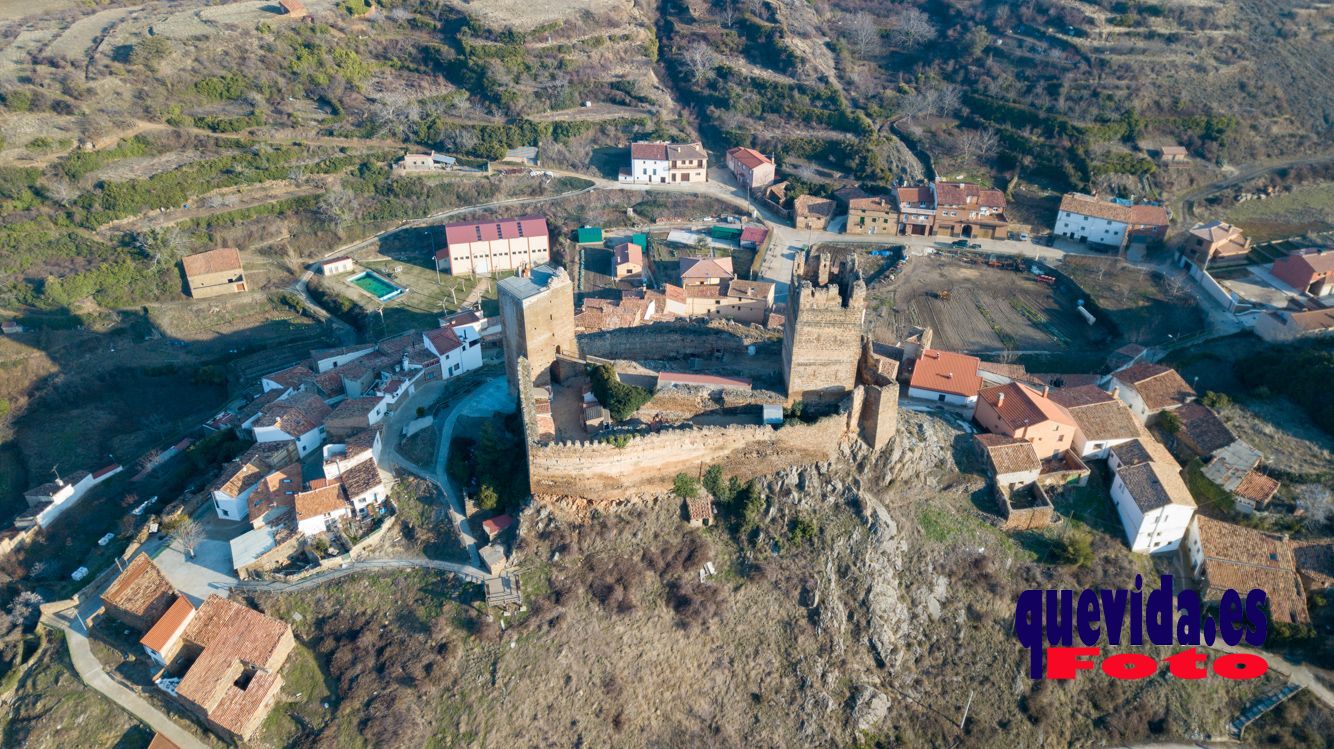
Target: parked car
<point>103,541</point>
<point>1023,236</point>
<point>975,246</point>
<point>79,574</point>
<point>961,243</point>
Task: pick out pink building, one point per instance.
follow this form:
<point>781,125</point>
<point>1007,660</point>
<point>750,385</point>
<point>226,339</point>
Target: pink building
<point>1019,411</point>
<point>752,168</point>
<point>485,247</point>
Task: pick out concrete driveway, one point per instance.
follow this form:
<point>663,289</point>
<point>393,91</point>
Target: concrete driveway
<point>210,570</point>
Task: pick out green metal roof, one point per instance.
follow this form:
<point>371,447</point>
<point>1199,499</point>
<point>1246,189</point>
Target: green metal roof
<point>587,234</point>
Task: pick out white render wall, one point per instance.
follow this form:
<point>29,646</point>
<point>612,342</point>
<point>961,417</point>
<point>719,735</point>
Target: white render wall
<point>1090,229</point>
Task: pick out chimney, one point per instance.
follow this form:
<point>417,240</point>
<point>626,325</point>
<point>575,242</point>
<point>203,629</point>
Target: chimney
<point>1000,399</point>
<point>1116,392</point>
<point>1046,389</point>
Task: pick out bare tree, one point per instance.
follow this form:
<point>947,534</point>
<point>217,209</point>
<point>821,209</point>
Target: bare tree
<point>910,28</point>
<point>700,59</point>
<point>187,534</point>
<point>61,191</point>
<point>337,207</point>
<point>979,144</point>
<point>930,102</point>
<point>863,34</point>
<point>727,13</point>
<point>149,459</point>
<point>163,244</point>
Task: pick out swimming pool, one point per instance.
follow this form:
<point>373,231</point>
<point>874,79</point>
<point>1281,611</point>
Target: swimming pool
<point>375,285</point>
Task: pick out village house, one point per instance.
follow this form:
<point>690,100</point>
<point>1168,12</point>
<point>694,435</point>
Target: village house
<point>457,347</point>
<point>1224,556</point>
<point>425,162</point>
<point>752,237</point>
<point>917,210</point>
<point>1235,469</point>
<point>1215,240</point>
<point>336,265</point>
<point>746,301</point>
<point>299,416</point>
<point>50,500</point>
<point>271,501</point>
<point>493,246</point>
<point>705,271</point>
<point>1012,461</point>
<point>1016,410</point>
<point>945,377</point>
<point>214,273</point>
<point>1200,430</point>
<point>666,163</point>
<point>332,358</point>
<point>163,640</point>
<point>810,212</point>
<point>967,210</point>
<point>1173,155</point>
<point>231,656</point>
<point>140,595</point>
<point>358,448</point>
<point>609,314</point>
<point>629,259</point>
<point>699,510</point>
<point>1110,223</point>
<point>319,508</point>
<point>1151,499</point>
<point>1101,420</point>
<point>875,215</point>
<point>355,415</point>
<point>293,9</point>
<point>1150,389</point>
<point>287,380</point>
<point>1283,325</point>
<point>238,479</point>
<point>364,487</point>
<point>1309,271</point>
<point>753,169</point>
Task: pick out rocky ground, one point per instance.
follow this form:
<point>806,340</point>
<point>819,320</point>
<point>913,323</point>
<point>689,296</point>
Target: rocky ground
<point>867,599</point>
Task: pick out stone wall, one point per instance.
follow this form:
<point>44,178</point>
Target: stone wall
<point>879,414</point>
<point>538,327</point>
<point>599,472</point>
<point>669,340</point>
<point>822,337</point>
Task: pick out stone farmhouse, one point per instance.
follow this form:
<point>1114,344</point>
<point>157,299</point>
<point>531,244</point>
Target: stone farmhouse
<point>221,661</point>
<point>214,273</point>
<point>1223,556</point>
<point>664,163</point>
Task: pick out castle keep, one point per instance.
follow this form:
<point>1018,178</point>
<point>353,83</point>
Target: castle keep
<point>537,315</point>
<point>822,337</point>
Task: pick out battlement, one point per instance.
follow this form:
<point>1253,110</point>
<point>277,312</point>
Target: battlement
<point>823,328</point>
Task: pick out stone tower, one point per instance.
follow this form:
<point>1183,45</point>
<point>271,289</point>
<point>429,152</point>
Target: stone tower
<point>537,316</point>
<point>823,329</point>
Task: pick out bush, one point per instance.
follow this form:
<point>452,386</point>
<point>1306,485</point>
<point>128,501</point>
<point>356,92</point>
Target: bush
<point>620,399</point>
<point>1216,400</point>
<point>1074,548</point>
<point>685,486</point>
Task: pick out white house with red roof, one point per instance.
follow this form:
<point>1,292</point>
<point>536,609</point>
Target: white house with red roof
<point>458,347</point>
<point>484,247</point>
<point>659,162</point>
<point>946,378</point>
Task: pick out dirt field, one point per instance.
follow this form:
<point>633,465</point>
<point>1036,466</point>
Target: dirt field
<point>522,14</point>
<point>987,310</point>
<point>1309,208</point>
<point>1148,307</point>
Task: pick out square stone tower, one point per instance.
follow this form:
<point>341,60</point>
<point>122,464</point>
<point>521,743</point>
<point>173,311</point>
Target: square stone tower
<point>537,316</point>
<point>823,329</point>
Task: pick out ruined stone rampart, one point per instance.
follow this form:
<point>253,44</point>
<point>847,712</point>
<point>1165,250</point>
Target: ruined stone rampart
<point>669,340</point>
<point>602,472</point>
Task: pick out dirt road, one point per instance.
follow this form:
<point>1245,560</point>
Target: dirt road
<point>1186,203</point>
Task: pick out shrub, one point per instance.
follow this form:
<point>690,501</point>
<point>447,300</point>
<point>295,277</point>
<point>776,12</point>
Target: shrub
<point>1074,548</point>
<point>685,486</point>
<point>620,399</point>
<point>803,531</point>
<point>1216,400</point>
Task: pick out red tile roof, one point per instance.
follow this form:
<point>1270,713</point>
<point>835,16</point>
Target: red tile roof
<point>756,234</point>
<point>1160,387</point>
<point>629,252</point>
<point>497,524</point>
<point>706,267</point>
<point>321,501</point>
<point>141,589</point>
<point>965,194</point>
<point>444,340</point>
<point>749,157</point>
<point>169,625</point>
<point>667,151</point>
<point>224,260</point>
<point>946,372</point>
<point>465,232</point>
<point>1022,406</point>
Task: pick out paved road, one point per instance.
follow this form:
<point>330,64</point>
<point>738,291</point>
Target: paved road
<point>91,671</point>
<point>367,565</point>
<point>490,397</point>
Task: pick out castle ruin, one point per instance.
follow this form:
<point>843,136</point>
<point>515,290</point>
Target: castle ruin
<point>537,316</point>
<point>823,331</point>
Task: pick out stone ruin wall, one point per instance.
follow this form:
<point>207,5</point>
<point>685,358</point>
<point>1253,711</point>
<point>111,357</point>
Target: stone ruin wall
<point>600,473</point>
<point>672,340</point>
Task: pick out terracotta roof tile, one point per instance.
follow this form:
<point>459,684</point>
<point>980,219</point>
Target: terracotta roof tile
<point>361,478</point>
<point>1008,454</point>
<point>1160,387</point>
<point>1202,427</point>
<point>223,260</point>
<point>169,626</point>
<point>946,372</point>
<point>1023,406</point>
<point>142,589</point>
<point>317,502</point>
<point>1242,558</point>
